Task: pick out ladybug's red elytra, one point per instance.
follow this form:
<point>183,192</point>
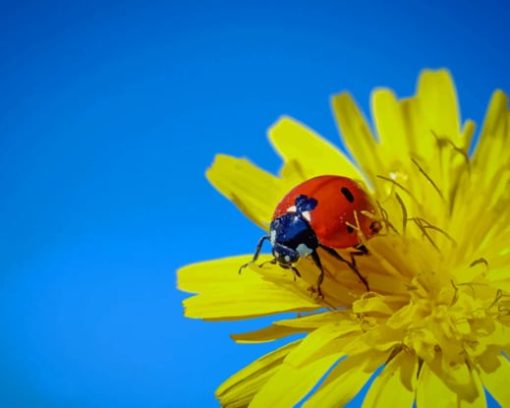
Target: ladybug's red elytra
<point>321,212</point>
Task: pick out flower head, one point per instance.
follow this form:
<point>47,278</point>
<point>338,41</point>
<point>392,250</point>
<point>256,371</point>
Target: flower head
<point>436,318</point>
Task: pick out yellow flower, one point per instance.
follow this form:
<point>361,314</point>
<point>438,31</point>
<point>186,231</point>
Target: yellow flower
<point>437,316</point>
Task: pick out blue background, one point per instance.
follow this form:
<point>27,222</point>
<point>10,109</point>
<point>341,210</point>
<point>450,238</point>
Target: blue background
<point>109,115</point>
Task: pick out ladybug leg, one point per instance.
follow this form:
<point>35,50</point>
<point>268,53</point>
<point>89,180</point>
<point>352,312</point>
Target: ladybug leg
<point>257,252</point>
<point>272,262</point>
<point>292,268</point>
<point>317,260</point>
<point>355,268</point>
<point>351,264</point>
<point>360,250</point>
<point>296,272</point>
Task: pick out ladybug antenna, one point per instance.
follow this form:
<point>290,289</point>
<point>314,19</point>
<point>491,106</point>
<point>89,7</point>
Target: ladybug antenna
<point>256,254</point>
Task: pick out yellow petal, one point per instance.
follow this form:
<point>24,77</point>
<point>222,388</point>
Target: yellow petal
<point>343,383</point>
<point>468,132</point>
<point>304,366</point>
<point>373,303</point>
<point>292,173</point>
<point>317,320</point>
<point>315,342</point>
<point>460,378</point>
<point>264,335</point>
<point>431,390</point>
<point>239,389</point>
<point>480,401</point>
<point>208,275</point>
<point>391,128</point>
<point>393,387</point>
<point>357,135</point>
<point>290,384</point>
<point>316,156</point>
<point>492,150</point>
<point>437,98</point>
<point>380,338</point>
<point>421,137</point>
<point>254,191</point>
<point>497,382</point>
<point>226,294</point>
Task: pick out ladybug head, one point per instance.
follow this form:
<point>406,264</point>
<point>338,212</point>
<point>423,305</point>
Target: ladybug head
<point>284,255</point>
<point>291,238</point>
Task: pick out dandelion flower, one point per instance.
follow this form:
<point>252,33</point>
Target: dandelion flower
<point>434,328</point>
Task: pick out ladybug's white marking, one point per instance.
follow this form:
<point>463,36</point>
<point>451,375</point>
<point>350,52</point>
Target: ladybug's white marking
<point>273,237</point>
<point>287,258</point>
<point>292,209</point>
<point>303,250</point>
<point>306,215</point>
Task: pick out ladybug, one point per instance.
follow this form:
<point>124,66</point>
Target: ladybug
<point>321,212</point>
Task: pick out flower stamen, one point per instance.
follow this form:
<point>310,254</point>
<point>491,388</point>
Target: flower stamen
<point>429,179</point>
<point>385,219</point>
<point>443,141</point>
<point>419,223</point>
<point>480,261</point>
<point>455,293</point>
<point>404,213</point>
<point>396,183</point>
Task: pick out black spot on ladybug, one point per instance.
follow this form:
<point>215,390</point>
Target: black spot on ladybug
<point>347,194</point>
<point>350,230</point>
<point>304,203</point>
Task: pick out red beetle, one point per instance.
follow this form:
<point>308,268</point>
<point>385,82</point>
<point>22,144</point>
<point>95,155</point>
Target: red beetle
<point>320,213</point>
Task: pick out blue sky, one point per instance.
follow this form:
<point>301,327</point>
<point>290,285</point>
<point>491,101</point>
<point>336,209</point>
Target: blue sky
<point>110,112</point>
